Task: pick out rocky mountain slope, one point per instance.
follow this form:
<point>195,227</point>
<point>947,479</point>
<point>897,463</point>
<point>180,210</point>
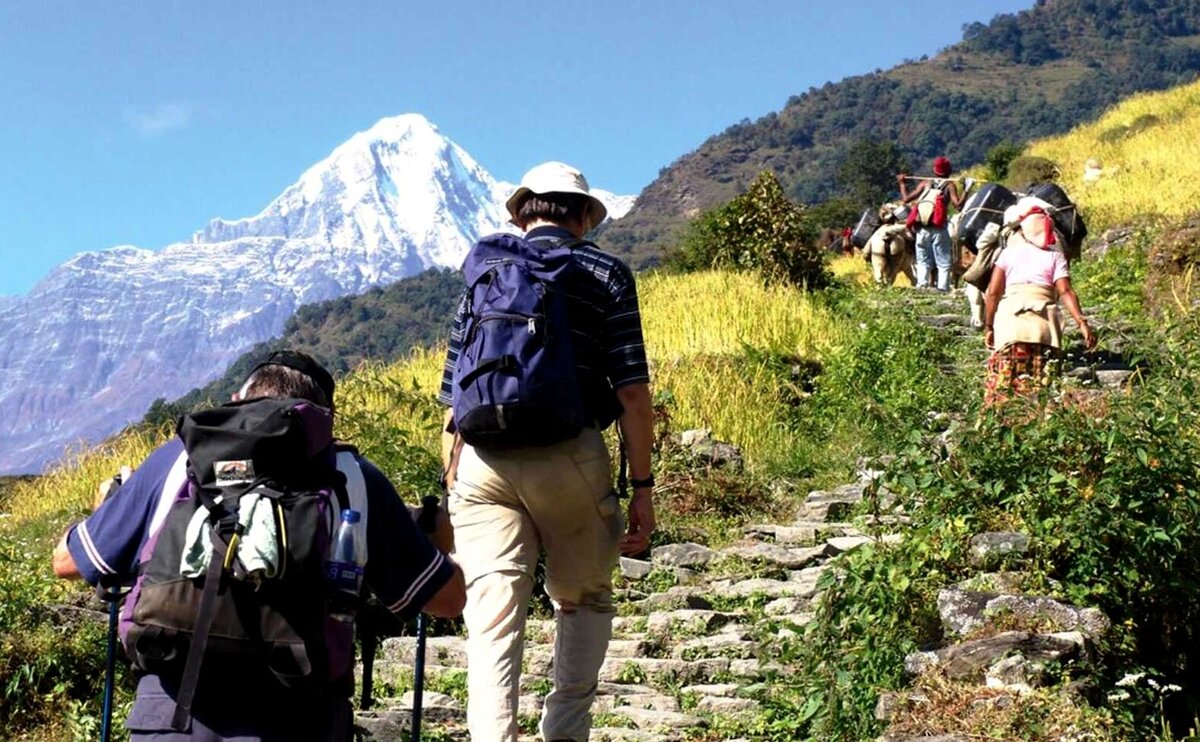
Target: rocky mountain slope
<point>105,333</point>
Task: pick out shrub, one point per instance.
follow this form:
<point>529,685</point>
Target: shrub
<point>999,158</point>
<point>1025,170</point>
<point>760,230</point>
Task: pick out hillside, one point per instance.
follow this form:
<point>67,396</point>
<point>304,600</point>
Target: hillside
<point>1018,78</point>
<point>820,574</point>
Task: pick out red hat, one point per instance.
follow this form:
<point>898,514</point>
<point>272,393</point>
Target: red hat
<point>941,167</point>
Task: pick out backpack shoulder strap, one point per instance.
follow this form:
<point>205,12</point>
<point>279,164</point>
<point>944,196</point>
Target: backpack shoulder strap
<point>176,480</point>
<point>356,493</point>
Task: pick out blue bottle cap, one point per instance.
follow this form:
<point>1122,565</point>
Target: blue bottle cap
<point>350,515</point>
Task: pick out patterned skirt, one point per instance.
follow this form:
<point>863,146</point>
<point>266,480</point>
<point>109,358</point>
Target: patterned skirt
<point>1019,370</point>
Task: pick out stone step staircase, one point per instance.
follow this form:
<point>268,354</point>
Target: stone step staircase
<point>694,642</point>
<point>684,657</point>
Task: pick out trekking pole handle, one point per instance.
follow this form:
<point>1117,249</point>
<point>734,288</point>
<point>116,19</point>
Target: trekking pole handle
<point>427,520</point>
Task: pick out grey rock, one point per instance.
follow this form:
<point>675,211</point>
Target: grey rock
<point>652,700</point>
<point>688,620</point>
<point>697,671</point>
<point>784,535</point>
<point>987,548</point>
<point>651,719</point>
<point>963,611</point>
<point>779,555</point>
<point>834,504</point>
<point>843,544</point>
<point>784,606</point>
<point>1114,377</point>
<point>727,690</point>
<point>675,598</point>
<point>772,588</point>
<point>969,660</point>
<point>682,555</point>
<point>635,569</point>
<point>718,645</point>
<point>619,734</point>
<point>704,449</point>
<point>1002,582</point>
<point>726,705</point>
<point>1016,674</point>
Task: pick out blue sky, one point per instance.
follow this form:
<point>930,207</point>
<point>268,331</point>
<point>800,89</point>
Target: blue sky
<point>128,122</point>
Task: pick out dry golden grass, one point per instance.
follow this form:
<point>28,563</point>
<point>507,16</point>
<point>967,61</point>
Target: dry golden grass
<point>696,326</point>
<point>71,486</point>
<point>1151,168</point>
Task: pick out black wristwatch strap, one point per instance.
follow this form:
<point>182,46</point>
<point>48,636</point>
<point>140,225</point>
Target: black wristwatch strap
<point>640,483</point>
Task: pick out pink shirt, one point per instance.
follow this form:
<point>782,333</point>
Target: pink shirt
<point>1024,263</point>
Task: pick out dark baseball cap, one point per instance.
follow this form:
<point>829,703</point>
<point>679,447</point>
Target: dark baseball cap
<point>306,365</point>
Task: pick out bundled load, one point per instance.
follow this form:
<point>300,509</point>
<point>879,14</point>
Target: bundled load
<point>1066,217</point>
<point>867,224</point>
<point>985,206</point>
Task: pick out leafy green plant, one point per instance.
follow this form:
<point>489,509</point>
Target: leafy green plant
<point>761,230</point>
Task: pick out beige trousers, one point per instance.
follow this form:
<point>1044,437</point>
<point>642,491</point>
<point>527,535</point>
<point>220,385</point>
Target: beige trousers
<point>505,507</point>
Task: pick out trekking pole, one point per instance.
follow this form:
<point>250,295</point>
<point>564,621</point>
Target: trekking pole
<point>111,594</point>
<point>370,644</point>
<point>109,591</point>
<point>427,521</point>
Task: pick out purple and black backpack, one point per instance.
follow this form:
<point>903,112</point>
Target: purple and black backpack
<point>515,382</point>
<point>277,454</point>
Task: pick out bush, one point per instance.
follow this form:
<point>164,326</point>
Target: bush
<point>760,230</point>
<point>1023,171</point>
<point>999,158</point>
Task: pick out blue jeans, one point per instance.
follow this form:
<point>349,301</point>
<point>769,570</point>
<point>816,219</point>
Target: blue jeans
<point>933,249</point>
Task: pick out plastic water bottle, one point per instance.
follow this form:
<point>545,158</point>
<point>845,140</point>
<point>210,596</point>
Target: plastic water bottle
<point>343,569</point>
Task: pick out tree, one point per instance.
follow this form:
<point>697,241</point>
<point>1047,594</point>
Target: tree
<point>761,230</point>
<point>867,175</point>
<point>999,158</point>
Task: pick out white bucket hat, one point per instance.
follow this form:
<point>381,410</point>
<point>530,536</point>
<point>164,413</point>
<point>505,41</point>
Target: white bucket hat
<point>556,177</point>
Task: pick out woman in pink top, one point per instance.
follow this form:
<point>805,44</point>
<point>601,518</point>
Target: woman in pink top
<point>1022,322</point>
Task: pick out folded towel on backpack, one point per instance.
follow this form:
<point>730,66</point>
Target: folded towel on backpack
<point>257,548</point>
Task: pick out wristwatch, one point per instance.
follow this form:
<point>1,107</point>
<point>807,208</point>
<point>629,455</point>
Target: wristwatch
<point>642,483</point>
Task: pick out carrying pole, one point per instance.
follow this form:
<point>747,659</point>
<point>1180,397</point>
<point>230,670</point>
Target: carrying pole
<point>428,523</point>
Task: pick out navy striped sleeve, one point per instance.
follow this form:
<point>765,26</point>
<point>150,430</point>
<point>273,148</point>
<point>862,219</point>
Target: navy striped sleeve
<point>107,542</point>
<point>445,391</point>
<point>404,570</point>
<point>624,346</point>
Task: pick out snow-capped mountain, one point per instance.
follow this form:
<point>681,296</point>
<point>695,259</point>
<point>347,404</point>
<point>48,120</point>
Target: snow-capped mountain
<point>107,332</point>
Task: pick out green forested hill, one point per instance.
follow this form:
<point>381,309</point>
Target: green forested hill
<point>1020,77</point>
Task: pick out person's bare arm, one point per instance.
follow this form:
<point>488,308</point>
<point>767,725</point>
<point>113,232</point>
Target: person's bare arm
<point>991,298</point>
<point>637,429</point>
<point>958,197</point>
<point>1066,294</point>
<point>451,447</point>
<point>63,563</point>
<point>449,601</point>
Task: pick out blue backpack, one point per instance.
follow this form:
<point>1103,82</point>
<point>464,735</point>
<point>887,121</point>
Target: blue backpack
<point>515,379</point>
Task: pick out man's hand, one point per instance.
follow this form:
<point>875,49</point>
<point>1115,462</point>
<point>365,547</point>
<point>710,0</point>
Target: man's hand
<point>442,533</point>
<point>1089,337</point>
<point>641,522</point>
<point>901,177</point>
<point>989,339</point>
<point>108,486</point>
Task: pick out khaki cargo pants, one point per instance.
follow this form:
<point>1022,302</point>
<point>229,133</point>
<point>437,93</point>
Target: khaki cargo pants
<point>505,506</point>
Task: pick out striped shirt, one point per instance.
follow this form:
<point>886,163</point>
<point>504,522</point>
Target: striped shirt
<point>606,327</point>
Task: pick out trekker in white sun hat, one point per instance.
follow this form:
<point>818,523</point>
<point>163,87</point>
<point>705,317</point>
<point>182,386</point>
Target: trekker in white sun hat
<point>510,501</point>
<point>557,177</point>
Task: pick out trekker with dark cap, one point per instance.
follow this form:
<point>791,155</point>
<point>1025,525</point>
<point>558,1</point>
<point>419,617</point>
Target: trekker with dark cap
<point>239,700</point>
<point>508,500</point>
<point>929,219</point>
